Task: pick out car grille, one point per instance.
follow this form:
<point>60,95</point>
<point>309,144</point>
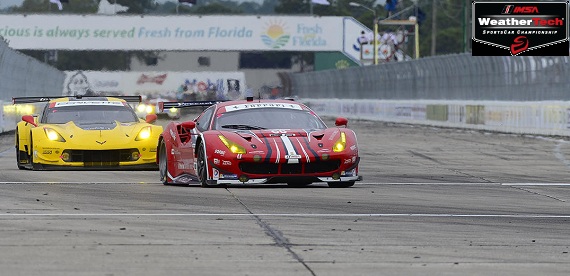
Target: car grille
<point>300,168</point>
<point>101,158</point>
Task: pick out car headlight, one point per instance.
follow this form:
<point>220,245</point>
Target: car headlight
<point>144,133</point>
<point>52,135</point>
<point>340,144</point>
<point>141,108</point>
<point>149,109</point>
<point>233,147</point>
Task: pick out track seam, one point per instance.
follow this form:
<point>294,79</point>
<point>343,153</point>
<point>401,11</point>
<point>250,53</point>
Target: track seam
<point>279,239</point>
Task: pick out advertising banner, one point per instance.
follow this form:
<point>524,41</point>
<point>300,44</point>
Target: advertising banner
<point>520,28</point>
<point>191,33</point>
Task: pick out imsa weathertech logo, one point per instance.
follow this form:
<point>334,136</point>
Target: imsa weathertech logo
<point>520,28</point>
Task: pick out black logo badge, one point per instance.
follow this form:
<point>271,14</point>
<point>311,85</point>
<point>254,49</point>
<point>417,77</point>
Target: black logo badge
<point>520,28</point>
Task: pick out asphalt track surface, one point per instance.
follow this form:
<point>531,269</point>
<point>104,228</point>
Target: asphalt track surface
<point>433,202</point>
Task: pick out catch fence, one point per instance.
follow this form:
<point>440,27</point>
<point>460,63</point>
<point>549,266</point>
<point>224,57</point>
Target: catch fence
<point>449,77</point>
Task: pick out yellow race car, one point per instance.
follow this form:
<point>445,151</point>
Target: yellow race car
<point>86,132</point>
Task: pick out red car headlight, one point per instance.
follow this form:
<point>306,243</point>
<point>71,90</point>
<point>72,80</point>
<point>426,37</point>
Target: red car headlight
<point>340,144</point>
<point>232,146</point>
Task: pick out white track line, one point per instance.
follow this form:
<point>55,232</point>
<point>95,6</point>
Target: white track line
<point>291,215</point>
<point>357,184</point>
<point>316,183</point>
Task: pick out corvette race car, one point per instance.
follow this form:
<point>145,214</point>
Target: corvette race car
<point>89,132</point>
<point>257,142</point>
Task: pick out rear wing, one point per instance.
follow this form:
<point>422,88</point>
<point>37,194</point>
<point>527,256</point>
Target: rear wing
<point>166,105</point>
<point>24,100</point>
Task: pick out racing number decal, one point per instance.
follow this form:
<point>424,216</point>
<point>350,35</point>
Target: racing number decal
<point>279,131</point>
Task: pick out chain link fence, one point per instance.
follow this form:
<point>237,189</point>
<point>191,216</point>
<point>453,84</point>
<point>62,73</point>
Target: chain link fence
<point>21,75</point>
<point>450,77</point>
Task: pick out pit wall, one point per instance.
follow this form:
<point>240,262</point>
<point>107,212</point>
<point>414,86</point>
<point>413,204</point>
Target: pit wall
<point>549,118</point>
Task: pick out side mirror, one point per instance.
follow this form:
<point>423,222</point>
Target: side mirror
<point>188,124</point>
<point>29,119</point>
<point>340,121</point>
<point>151,118</point>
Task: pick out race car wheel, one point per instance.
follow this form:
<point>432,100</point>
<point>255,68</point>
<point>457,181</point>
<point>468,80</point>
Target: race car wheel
<point>201,166</point>
<point>341,184</point>
<point>18,153</point>
<point>163,163</point>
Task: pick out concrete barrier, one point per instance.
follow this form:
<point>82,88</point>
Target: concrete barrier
<point>11,114</point>
<point>539,118</point>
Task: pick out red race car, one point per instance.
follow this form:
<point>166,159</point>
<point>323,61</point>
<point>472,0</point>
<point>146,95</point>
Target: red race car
<point>257,142</point>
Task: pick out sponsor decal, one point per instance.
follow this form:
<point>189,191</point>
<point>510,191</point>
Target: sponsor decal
<point>216,161</point>
<point>76,103</point>
<point>236,107</point>
<point>220,152</point>
<point>275,36</point>
<point>216,174</point>
<point>520,28</point>
<point>183,166</point>
<point>152,79</point>
<point>348,173</point>
<point>228,176</point>
<point>226,163</point>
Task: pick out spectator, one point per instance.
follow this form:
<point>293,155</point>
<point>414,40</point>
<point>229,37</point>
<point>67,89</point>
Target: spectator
<point>363,39</point>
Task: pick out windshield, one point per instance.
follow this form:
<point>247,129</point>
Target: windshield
<point>268,118</point>
<point>88,114</point>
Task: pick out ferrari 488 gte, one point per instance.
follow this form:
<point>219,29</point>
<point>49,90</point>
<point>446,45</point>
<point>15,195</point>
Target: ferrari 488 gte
<point>257,142</point>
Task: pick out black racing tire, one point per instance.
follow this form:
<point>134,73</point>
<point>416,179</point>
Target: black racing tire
<point>18,153</point>
<point>202,166</point>
<point>163,163</point>
<point>344,184</point>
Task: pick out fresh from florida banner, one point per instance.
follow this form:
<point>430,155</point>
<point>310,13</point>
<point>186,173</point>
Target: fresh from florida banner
<point>189,33</point>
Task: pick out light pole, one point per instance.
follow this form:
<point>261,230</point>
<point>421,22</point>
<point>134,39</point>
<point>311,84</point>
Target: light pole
<point>354,4</point>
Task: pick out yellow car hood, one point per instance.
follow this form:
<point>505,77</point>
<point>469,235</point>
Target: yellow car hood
<point>113,134</point>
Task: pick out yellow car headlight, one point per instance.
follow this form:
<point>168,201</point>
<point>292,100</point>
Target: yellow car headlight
<point>233,147</point>
<point>52,135</point>
<point>144,133</point>
<point>340,144</point>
